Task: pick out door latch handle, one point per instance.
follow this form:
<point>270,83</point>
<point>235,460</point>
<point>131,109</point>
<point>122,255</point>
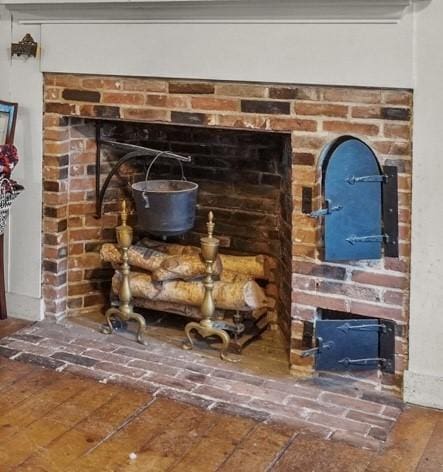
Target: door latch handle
<point>325,211</point>
<point>321,346</point>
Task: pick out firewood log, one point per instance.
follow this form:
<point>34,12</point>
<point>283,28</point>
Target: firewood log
<point>162,266</point>
<point>178,308</point>
<point>257,267</point>
<point>139,256</point>
<point>242,296</point>
<point>184,267</point>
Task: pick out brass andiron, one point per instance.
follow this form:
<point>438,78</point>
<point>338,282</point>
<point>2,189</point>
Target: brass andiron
<point>207,327</point>
<point>125,311</point>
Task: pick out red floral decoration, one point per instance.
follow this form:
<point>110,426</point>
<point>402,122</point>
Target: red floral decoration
<point>8,160</point>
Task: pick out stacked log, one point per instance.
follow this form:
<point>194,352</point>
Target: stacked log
<point>171,275</point>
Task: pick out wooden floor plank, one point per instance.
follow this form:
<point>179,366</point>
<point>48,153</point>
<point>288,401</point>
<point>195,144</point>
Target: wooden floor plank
<point>221,441</point>
<point>61,452</point>
<point>39,405</point>
<point>115,412</point>
<point>55,422</point>
<point>308,452</point>
<point>25,387</point>
<point>113,454</point>
<point>11,325</point>
<point>258,450</point>
<point>11,371</point>
<point>82,405</point>
<point>432,458</point>
<point>407,441</point>
<point>26,442</point>
<point>161,452</point>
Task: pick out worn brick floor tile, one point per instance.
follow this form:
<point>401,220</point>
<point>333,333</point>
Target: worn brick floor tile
<point>31,348</point>
<point>357,440</point>
<point>292,388</point>
<point>371,419</point>
<point>336,422</point>
<point>279,409</point>
<point>221,395</point>
<point>74,358</point>
<point>47,362</point>
<point>107,356</point>
<point>240,410</point>
<point>155,367</point>
<point>185,397</point>
<point>349,402</point>
<point>119,369</point>
<point>316,405</point>
<point>93,344</point>
<point>169,381</point>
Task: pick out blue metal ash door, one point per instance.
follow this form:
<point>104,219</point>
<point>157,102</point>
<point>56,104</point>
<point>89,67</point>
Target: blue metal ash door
<point>353,195</point>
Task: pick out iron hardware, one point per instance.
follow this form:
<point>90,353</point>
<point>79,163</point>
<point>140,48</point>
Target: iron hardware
<point>375,238</point>
<point>26,47</point>
<point>321,346</point>
<point>325,211</point>
<point>354,344</point>
<point>369,327</point>
<point>132,152</point>
<point>367,178</point>
<point>368,361</point>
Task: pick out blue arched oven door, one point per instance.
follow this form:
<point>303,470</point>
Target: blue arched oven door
<point>352,181</point>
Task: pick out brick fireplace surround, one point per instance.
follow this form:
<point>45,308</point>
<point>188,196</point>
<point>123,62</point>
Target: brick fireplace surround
<point>73,277</point>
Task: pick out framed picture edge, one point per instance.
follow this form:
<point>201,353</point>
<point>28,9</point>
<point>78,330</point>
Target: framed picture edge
<point>11,108</point>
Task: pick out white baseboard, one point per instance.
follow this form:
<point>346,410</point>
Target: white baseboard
<point>24,307</point>
<point>423,389</point>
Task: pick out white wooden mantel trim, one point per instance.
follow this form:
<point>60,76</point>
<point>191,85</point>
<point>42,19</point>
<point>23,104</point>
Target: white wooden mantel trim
<point>207,11</point>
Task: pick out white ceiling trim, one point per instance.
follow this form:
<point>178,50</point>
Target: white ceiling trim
<point>207,11</point>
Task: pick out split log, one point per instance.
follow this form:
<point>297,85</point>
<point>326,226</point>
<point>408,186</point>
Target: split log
<point>184,267</point>
<point>255,266</point>
<point>242,296</point>
<point>162,266</point>
<point>258,267</point>
<point>177,308</point>
<point>232,277</point>
<point>139,256</point>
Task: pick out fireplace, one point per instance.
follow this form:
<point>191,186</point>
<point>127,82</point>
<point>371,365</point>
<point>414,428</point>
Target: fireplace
<point>257,148</point>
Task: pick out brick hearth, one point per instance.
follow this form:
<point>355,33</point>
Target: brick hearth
<point>328,408</point>
<point>311,116</point>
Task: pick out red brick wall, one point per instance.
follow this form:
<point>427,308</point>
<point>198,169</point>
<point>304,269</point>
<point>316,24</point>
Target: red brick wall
<point>313,115</point>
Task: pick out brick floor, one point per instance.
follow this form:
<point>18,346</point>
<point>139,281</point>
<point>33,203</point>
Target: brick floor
<point>329,408</point>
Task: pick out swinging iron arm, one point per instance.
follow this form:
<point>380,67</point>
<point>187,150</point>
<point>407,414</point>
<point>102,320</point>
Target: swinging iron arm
<point>136,152</point>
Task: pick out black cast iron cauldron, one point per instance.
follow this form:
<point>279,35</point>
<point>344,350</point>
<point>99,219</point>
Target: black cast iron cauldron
<point>165,207</point>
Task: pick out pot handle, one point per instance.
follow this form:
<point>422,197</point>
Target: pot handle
<point>152,163</point>
<point>146,199</point>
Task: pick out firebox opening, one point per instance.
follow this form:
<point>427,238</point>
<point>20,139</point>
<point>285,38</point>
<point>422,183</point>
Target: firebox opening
<point>244,178</point>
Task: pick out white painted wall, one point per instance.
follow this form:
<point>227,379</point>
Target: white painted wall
<point>21,81</point>
<point>424,378</point>
<point>345,54</point>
